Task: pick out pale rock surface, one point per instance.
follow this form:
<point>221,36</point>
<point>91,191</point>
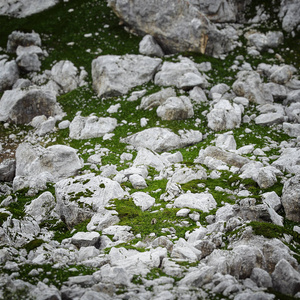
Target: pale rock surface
<point>157,98</point>
<point>91,127</point>
<point>143,200</point>
<point>92,193</point>
<point>86,239</point>
<point>226,141</point>
<point>201,201</point>
<point>137,181</point>
<point>282,75</point>
<point>102,219</point>
<point>35,163</point>
<point>263,42</point>
<point>162,139</point>
<point>269,119</point>
<point>148,46</point>
<point>115,75</point>
<point>286,279</point>
<point>42,207</point>
<point>29,62</point>
<point>291,198</point>
<point>66,76</point>
<point>293,112</point>
<point>290,15</point>
<point>261,277</point>
<point>220,88</point>
<point>121,234</point>
<point>177,27</point>
<point>249,85</point>
<point>9,73</point>
<point>272,200</point>
<point>183,74</point>
<point>34,102</point>
<point>183,250</point>
<point>17,38</point>
<point>150,158</point>
<point>185,174</point>
<point>24,8</point>
<point>288,161</point>
<point>197,95</point>
<point>7,169</point>
<point>292,130</point>
<point>224,115</point>
<point>227,157</point>
<point>176,108</point>
<point>46,126</point>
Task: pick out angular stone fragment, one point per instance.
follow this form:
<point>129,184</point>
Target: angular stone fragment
<point>115,75</point>
<point>9,73</point>
<point>86,239</point>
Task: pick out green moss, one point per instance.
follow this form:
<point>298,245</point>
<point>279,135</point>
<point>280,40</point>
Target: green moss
<point>3,217</point>
<point>33,244</point>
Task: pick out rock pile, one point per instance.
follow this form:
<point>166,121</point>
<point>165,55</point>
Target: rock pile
<point>177,184</point>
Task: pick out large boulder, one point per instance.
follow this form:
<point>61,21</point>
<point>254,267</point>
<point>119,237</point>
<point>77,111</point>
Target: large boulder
<point>115,75</point>
<point>82,197</point>
<point>17,38</point>
<point>176,25</point>
<point>91,127</point>
<point>24,8</point>
<point>163,139</point>
<point>224,115</point>
<point>176,108</point>
<point>183,74</point>
<point>290,15</point>
<point>9,73</point>
<point>35,165</point>
<point>291,198</point>
<point>21,106</point>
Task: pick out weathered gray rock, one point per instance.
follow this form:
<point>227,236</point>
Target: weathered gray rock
<point>292,97</point>
<point>86,239</point>
<point>102,219</point>
<point>21,106</point>
<point>36,165</point>
<point>220,88</point>
<point>263,42</point>
<point>162,139</point>
<point>224,115</point>
<point>30,50</point>
<point>91,127</point>
<point>44,292</point>
<point>291,198</point>
<point>285,278</point>
<point>46,126</point>
<point>176,108</point>
<point>42,207</point>
<point>282,75</point>
<point>7,170</point>
<point>290,15</point>
<point>137,181</point>
<point>226,142</point>
<point>293,112</point>
<point>177,27</point>
<point>24,8</point>
<point>221,11</point>
<point>289,161</point>
<point>229,158</point>
<point>148,46</point>
<point>183,74</point>
<point>261,278</point>
<point>115,75</point>
<point>29,62</point>
<point>292,130</point>
<point>197,95</point>
<point>17,38</point>
<point>272,200</point>
<point>9,73</point>
<point>143,200</point>
<point>249,85</point>
<point>201,201</point>
<point>157,99</point>
<point>81,197</point>
<point>67,76</point>
<point>184,175</point>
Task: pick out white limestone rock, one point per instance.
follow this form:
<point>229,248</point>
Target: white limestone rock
<point>115,75</point>
<point>91,127</point>
<point>224,115</point>
<point>197,95</point>
<point>293,130</point>
<point>35,165</point>
<point>176,108</point>
<point>143,200</point>
<point>162,139</point>
<point>42,207</point>
<point>226,141</point>
<point>201,201</point>
<point>184,175</point>
<point>9,73</point>
<point>102,219</point>
<point>289,161</point>
<point>137,181</point>
<point>269,119</point>
<point>180,75</point>
<point>86,239</point>
<point>34,102</point>
<point>148,46</point>
<point>81,197</point>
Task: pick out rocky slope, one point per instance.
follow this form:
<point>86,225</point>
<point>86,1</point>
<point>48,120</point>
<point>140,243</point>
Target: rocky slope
<point>128,171</point>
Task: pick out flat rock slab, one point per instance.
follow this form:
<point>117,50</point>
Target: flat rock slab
<point>201,201</point>
<point>269,119</point>
<point>162,139</point>
<point>85,239</point>
<point>115,75</point>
